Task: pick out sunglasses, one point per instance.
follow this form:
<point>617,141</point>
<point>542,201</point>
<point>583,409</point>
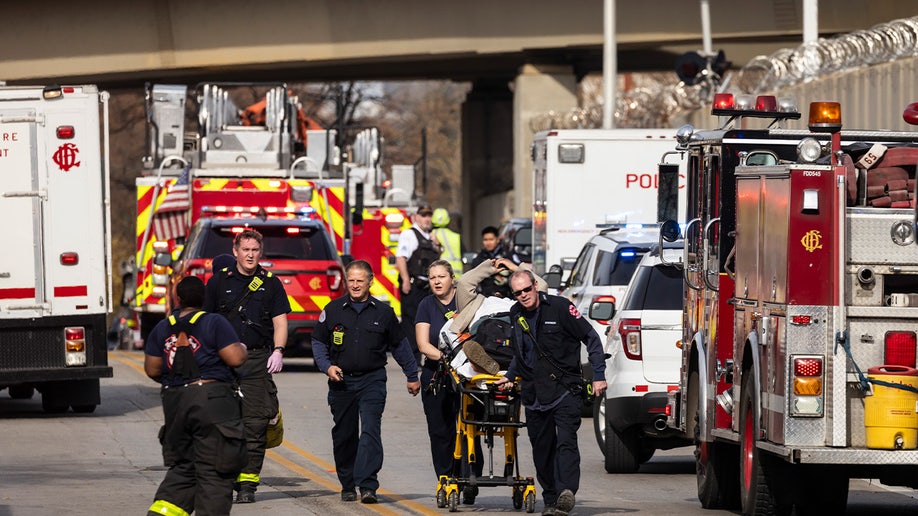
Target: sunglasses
<point>518,293</point>
<point>425,213</point>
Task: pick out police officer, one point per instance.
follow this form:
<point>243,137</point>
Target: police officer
<point>349,344</point>
<point>417,249</point>
<point>254,302</point>
<point>191,354</point>
<point>548,331</point>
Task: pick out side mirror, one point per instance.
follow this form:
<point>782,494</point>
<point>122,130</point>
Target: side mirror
<point>553,278</point>
<point>602,310</point>
<point>669,231</point>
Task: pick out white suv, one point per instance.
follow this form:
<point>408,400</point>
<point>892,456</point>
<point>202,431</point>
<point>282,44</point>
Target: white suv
<point>643,364</point>
<point>602,272</point>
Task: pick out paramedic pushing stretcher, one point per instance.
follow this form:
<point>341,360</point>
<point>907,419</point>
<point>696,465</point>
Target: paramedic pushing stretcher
<point>547,334</point>
<point>349,344</point>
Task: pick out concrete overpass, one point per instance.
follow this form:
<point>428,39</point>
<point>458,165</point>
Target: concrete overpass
<point>523,57</point>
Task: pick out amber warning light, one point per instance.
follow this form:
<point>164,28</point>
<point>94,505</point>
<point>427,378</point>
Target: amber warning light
<point>825,117</point>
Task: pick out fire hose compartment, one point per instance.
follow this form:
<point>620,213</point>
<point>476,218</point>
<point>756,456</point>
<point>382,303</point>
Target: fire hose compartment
<point>891,414</point>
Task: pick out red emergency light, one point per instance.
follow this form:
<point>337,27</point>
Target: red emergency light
<point>293,231</point>
<point>900,348</point>
<point>763,106</point>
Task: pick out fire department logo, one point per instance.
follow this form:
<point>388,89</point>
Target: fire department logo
<point>315,283</point>
<point>66,156</point>
<point>812,240</point>
<point>170,348</point>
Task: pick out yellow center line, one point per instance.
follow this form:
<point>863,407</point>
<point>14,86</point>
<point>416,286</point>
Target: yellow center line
<point>128,360</point>
<point>334,485</point>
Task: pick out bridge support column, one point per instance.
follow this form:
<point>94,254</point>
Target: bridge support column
<point>537,90</point>
<point>487,157</point>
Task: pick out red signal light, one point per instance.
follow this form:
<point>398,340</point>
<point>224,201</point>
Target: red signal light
<point>293,231</point>
<point>809,366</point>
<point>70,258</point>
<point>766,103</point>
<point>65,132</point>
<point>900,348</point>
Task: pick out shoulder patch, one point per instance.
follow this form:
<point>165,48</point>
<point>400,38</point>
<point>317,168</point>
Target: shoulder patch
<point>574,312</point>
<point>322,317</point>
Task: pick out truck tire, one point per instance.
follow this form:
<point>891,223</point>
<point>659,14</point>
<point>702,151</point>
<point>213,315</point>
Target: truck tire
<point>52,404</point>
<point>715,463</point>
<point>758,471</point>
<point>622,451</point>
<point>21,392</point>
<point>600,423</point>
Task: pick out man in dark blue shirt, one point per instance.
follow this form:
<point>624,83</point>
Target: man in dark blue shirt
<point>547,334</point>
<point>191,354</point>
<point>349,344</point>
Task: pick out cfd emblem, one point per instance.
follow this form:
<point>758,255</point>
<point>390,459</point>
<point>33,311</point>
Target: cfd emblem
<point>66,157</point>
<point>812,240</point>
<point>315,283</point>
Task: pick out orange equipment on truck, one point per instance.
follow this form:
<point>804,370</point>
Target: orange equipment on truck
<point>801,276</point>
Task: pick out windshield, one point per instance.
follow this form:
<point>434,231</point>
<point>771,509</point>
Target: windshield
<point>616,268</point>
<point>279,243</point>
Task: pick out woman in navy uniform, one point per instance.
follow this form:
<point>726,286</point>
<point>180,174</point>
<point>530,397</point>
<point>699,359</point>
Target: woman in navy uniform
<point>191,354</point>
<point>349,344</point>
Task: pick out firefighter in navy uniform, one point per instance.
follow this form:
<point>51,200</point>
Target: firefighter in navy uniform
<point>191,354</point>
<point>254,302</point>
<point>349,344</point>
<point>417,249</point>
<point>547,334</point>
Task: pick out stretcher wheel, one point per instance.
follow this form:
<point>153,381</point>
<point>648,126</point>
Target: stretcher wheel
<point>530,502</point>
<point>454,501</point>
<point>441,498</point>
<point>517,498</point>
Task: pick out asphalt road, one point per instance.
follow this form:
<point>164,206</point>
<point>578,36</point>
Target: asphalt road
<point>108,463</point>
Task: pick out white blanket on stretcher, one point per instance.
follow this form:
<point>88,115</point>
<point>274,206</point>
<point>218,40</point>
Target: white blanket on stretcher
<point>490,306</point>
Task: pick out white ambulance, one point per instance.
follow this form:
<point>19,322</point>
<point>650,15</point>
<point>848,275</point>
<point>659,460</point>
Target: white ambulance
<point>55,270</point>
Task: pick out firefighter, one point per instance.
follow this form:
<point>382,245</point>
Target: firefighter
<point>417,249</point>
<point>349,344</point>
<point>450,241</point>
<point>547,334</point>
<point>254,302</point>
<point>191,353</point>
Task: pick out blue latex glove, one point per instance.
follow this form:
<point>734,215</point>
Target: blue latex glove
<point>275,362</point>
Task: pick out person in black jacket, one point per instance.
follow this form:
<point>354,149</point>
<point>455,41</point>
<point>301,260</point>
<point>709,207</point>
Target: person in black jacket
<point>253,300</point>
<point>191,353</point>
<point>548,332</point>
<point>496,284</point>
<point>349,345</point>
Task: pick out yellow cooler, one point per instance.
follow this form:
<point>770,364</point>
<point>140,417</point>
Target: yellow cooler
<point>891,414</point>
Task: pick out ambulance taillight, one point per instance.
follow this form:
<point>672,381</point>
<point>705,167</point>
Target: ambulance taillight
<point>74,346</point>
<point>899,348</point>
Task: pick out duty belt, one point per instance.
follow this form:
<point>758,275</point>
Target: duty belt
<point>190,384</point>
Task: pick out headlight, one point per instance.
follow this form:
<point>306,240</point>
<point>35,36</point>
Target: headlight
<point>809,150</point>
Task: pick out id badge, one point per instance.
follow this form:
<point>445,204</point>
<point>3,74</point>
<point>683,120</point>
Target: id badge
<point>338,338</point>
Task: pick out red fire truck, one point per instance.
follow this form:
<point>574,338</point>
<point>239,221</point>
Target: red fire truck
<point>265,161</point>
<point>801,304</point>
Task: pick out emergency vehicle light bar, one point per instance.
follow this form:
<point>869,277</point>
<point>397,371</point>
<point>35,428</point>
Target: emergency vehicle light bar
<point>271,210</point>
<point>763,106</point>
